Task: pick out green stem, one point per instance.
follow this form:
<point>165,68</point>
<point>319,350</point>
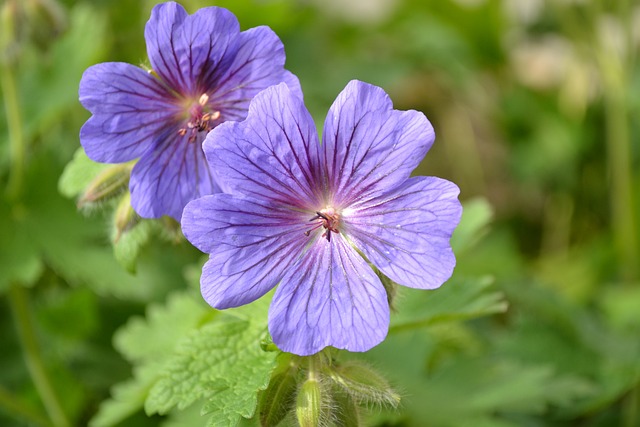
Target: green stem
<point>18,409</point>
<point>631,407</point>
<point>619,164</point>
<point>14,126</point>
<point>20,306</point>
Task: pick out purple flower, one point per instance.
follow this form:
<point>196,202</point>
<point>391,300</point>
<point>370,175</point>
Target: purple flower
<point>205,72</point>
<point>310,217</point>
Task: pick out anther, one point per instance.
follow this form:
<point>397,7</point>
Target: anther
<point>328,220</point>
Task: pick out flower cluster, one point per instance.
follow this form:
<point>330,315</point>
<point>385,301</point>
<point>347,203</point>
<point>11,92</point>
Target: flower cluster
<point>271,204</point>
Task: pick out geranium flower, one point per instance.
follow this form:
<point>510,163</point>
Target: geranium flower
<point>310,217</point>
<point>204,72</point>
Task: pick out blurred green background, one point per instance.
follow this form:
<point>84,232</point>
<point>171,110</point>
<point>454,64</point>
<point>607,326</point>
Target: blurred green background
<point>536,106</point>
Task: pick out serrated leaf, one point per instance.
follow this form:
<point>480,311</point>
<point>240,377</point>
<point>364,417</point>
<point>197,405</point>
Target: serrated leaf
<point>221,362</point>
<point>455,300</point>
<point>189,417</point>
<point>78,173</point>
<point>148,342</point>
<point>152,338</point>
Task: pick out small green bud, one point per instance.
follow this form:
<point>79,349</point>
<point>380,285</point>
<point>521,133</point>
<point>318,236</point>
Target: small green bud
<point>125,218</point>
<point>364,384</point>
<point>107,184</point>
<point>309,404</point>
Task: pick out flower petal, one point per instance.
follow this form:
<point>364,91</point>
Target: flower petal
<point>257,64</point>
<point>183,48</point>
<point>168,176</point>
<point>368,146</point>
<point>129,108</point>
<point>251,245</point>
<point>406,233</point>
<point>270,154</point>
<point>331,298</point>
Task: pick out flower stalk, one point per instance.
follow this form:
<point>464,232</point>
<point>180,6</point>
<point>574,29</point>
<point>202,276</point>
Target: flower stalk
<point>11,405</point>
<point>14,126</point>
<point>19,301</point>
<point>618,140</point>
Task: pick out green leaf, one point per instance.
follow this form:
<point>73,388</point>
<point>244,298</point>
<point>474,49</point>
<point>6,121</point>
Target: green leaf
<point>477,213</point>
<point>153,338</point>
<point>221,362</point>
<point>49,88</point>
<point>126,398</point>
<point>78,173</point>
<point>148,342</point>
<point>128,245</point>
<point>19,258</point>
<point>189,417</point>
<point>455,300</point>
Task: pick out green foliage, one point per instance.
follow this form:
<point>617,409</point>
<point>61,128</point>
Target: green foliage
<point>186,353</point>
<point>78,173</point>
<point>538,326</point>
<point>459,299</point>
<point>221,362</point>
<point>476,215</point>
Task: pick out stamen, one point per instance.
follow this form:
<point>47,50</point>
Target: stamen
<point>199,119</point>
<point>329,219</point>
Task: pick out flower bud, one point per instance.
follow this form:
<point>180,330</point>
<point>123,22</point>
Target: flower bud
<point>10,25</point>
<point>107,184</point>
<point>46,20</point>
<point>277,400</point>
<point>309,404</point>
<point>347,411</point>
<point>125,218</point>
<point>364,384</point>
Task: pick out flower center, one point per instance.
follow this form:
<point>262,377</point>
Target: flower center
<point>327,218</point>
<point>200,119</point>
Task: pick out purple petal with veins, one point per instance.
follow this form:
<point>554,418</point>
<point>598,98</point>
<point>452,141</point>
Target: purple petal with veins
<point>205,72</point>
<point>309,217</point>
